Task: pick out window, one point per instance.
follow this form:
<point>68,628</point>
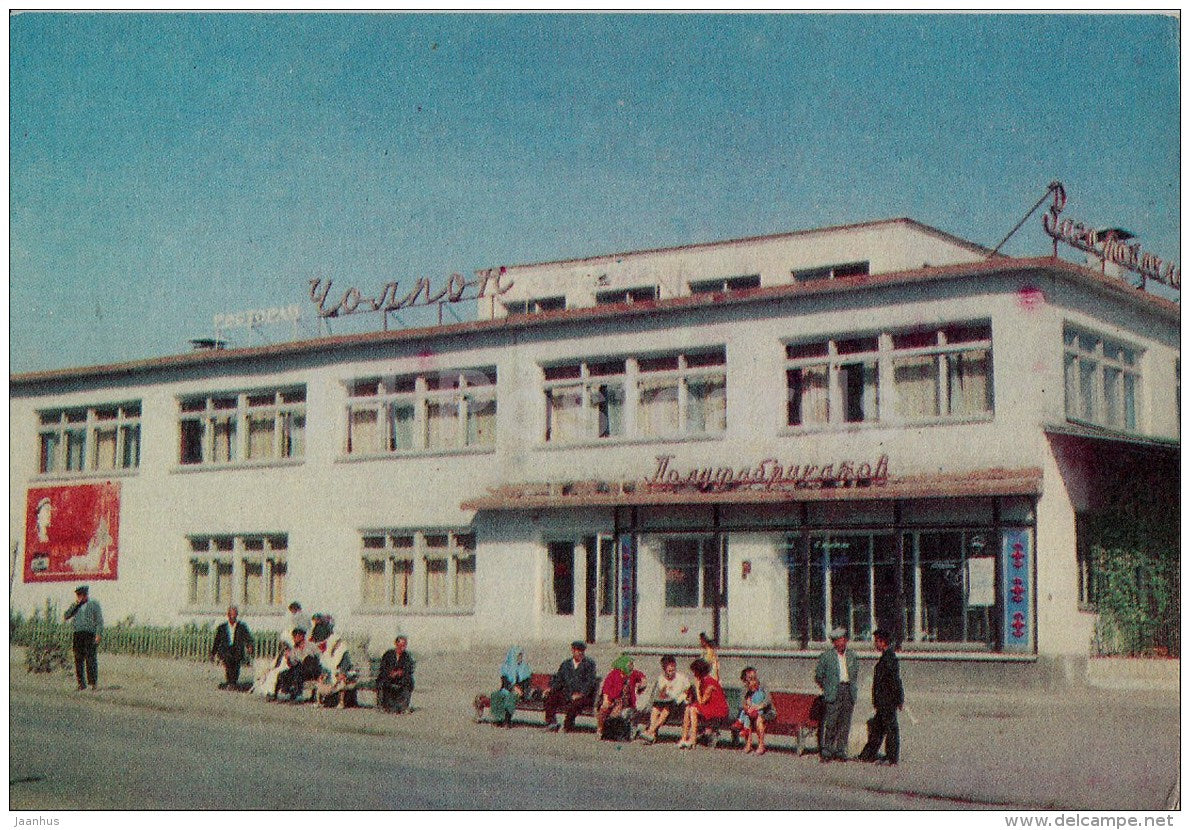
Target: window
<point>1102,380</point>
<point>97,438</point>
<point>725,286</point>
<point>692,573</point>
<point>683,394</point>
<point>932,374</point>
<point>246,427</point>
<point>249,571</point>
<point>645,294</point>
<point>560,588</point>
<point>672,395</point>
<point>832,272</point>
<point>418,570</point>
<point>450,410</point>
<point>585,400</point>
<point>1088,571</point>
<point>537,306</point>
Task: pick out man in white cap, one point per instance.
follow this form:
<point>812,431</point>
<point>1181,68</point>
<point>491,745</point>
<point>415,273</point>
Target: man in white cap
<point>87,620</point>
<point>837,675</point>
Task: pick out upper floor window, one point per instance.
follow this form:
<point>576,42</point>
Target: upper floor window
<point>535,306</point>
<point>243,427</point>
<point>727,285</point>
<point>248,570</point>
<point>644,294</point>
<point>92,438</point>
<point>832,272</point>
<point>661,396</point>
<point>919,375</point>
<point>443,410</point>
<point>419,570</point>
<point>1102,380</point>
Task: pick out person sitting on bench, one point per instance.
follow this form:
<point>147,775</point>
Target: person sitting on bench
<point>394,682</point>
<point>671,691</point>
<point>515,675</point>
<point>618,698</point>
<point>572,689</point>
<point>710,705</point>
<point>301,659</point>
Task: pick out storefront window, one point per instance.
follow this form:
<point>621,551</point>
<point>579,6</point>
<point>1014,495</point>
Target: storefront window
<point>560,600</point>
<point>692,578</point>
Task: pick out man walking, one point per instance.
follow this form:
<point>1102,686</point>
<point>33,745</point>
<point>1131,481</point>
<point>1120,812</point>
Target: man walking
<point>571,689</point>
<point>837,675</point>
<point>87,617</point>
<point>233,641</point>
<point>888,695</point>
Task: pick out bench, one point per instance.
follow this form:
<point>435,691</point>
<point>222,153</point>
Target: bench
<point>534,699</point>
<point>798,713</point>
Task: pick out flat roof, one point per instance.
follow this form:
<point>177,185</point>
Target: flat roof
<point>992,266</point>
<point>743,240</point>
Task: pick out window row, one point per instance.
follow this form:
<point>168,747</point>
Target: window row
<point>718,285</point>
<point>248,570</point>
<point>669,395</point>
<point>435,411</point>
<point>419,571</point>
<point>249,426</point>
<point>89,438</point>
<point>919,375</point>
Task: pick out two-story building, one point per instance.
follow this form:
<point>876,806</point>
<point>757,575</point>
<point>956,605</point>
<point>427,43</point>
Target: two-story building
<point>871,425</point>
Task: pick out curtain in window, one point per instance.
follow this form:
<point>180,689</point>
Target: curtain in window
<point>131,454</point>
<point>402,582</point>
<point>222,583</point>
<point>1129,401</point>
<point>464,591</point>
<point>706,404</point>
<point>916,383</point>
<point>293,434</point>
<point>565,413</point>
<point>608,402</point>
<point>49,452</point>
<point>76,449</point>
<point>1113,404</point>
<point>260,435</point>
<point>859,386</point>
<point>442,424</point>
<point>277,571</point>
<point>809,391</point>
<point>225,439</point>
<point>1086,389</point>
<point>253,582</point>
<point>658,411</point>
<point>481,422</point>
<point>401,418</point>
<point>374,593</point>
<point>105,449</point>
<point>969,379</point>
<point>363,430</point>
<point>200,582</point>
<point>436,586</point>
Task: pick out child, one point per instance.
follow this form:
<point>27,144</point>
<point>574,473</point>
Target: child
<point>711,703</point>
<point>756,707</point>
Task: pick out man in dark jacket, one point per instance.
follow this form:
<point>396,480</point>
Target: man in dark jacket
<point>572,688</point>
<point>887,697</point>
<point>394,681</point>
<point>233,642</point>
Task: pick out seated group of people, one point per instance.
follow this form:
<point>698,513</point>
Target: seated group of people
<point>626,695</point>
<point>311,652</point>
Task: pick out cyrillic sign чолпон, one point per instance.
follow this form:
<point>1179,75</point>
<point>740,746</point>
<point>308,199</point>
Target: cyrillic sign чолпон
<point>390,297</point>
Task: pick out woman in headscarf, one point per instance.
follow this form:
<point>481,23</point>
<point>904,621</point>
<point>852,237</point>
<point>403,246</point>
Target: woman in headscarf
<point>514,685</point>
<point>620,689</point>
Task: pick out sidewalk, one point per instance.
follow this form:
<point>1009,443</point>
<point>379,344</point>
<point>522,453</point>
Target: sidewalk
<point>1085,749</point>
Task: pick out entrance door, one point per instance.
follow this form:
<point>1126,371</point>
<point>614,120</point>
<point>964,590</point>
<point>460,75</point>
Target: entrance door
<point>601,586</point>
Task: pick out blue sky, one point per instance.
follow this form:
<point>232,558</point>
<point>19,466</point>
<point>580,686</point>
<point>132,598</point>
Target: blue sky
<point>166,168</point>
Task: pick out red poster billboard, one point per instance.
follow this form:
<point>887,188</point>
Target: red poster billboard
<point>72,532</point>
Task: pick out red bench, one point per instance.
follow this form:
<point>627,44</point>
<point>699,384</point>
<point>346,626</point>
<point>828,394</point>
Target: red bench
<point>534,699</point>
<point>798,713</point>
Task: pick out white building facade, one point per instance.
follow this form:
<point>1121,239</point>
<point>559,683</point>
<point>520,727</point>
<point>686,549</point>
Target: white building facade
<point>872,425</point>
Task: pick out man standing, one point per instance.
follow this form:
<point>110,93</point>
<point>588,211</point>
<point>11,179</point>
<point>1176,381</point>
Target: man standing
<point>394,685</point>
<point>88,625</point>
<point>837,675</point>
<point>888,695</point>
<point>571,689</point>
<point>233,641</point>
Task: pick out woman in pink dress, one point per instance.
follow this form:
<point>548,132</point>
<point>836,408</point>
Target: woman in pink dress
<point>710,705</point>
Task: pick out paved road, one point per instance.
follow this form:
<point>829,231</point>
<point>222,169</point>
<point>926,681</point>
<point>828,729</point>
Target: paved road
<point>70,753</point>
